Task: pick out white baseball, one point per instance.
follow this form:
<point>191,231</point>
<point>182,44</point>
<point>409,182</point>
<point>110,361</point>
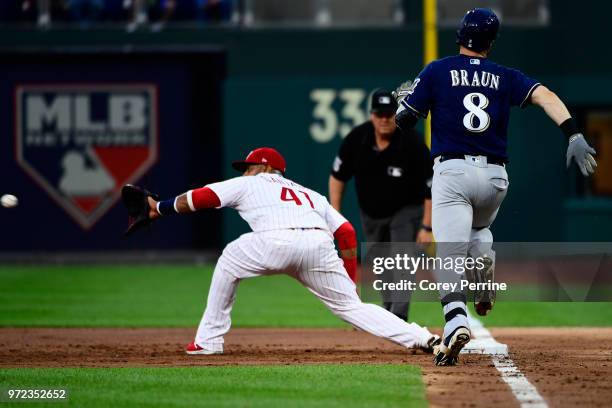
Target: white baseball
<point>9,201</point>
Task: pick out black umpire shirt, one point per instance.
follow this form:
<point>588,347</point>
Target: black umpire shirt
<point>386,180</point>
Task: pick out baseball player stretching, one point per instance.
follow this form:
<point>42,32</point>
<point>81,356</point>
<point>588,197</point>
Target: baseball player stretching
<point>469,98</point>
<point>293,233</point>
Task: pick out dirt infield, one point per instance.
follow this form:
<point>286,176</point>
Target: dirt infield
<point>569,367</point>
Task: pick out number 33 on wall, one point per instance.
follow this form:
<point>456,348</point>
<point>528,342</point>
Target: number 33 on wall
<point>326,123</point>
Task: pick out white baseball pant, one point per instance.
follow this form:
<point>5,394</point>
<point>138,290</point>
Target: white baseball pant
<point>309,256</point>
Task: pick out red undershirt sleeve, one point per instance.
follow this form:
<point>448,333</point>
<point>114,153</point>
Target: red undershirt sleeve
<point>347,239</point>
<point>202,198</point>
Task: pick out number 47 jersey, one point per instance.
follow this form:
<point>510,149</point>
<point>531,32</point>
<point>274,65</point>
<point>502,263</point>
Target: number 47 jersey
<point>270,202</point>
<point>469,99</point>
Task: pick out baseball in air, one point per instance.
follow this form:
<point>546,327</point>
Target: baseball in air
<point>9,201</point>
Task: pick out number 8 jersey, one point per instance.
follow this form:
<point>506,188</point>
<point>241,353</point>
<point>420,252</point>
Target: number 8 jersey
<point>469,99</point>
<point>269,202</point>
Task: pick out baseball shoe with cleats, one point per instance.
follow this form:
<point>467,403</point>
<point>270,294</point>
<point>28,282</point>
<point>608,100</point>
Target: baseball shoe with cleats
<point>484,299</point>
<point>433,341</point>
<point>194,349</point>
<point>448,354</point>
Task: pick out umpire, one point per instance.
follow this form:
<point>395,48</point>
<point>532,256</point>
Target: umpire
<point>393,172</point>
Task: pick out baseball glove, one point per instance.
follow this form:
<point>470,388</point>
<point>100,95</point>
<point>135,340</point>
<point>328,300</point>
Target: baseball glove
<point>136,201</point>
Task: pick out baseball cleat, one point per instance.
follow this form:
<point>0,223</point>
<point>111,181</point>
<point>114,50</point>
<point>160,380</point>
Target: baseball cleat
<point>484,299</point>
<point>193,349</point>
<point>433,341</point>
<point>448,355</point>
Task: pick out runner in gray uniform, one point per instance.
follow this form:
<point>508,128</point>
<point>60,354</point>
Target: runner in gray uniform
<point>469,98</point>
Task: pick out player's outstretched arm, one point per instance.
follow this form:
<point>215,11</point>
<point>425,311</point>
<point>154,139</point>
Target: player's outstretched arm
<point>188,202</point>
<point>577,149</point>
<point>411,100</point>
<point>551,103</point>
<point>404,118</point>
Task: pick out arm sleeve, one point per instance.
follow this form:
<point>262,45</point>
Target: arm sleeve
<point>346,236</point>
<point>521,89</point>
<point>230,192</point>
<point>343,167</point>
<point>347,239</point>
<point>420,94</point>
<point>202,198</point>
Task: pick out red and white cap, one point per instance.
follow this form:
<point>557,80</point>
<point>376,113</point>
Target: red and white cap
<point>262,155</point>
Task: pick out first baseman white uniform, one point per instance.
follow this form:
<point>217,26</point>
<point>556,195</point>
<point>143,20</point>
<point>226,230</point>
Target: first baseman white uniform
<point>292,234</point>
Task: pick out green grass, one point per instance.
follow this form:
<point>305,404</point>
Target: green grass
<point>237,386</point>
<point>154,296</point>
<point>554,314</point>
<point>526,314</point>
<point>174,296</point>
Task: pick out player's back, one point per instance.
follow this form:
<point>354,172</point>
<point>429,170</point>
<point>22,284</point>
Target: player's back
<point>270,201</point>
<point>470,100</point>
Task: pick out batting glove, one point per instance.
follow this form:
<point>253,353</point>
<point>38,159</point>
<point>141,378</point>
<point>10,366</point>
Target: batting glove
<point>581,152</point>
<point>402,91</point>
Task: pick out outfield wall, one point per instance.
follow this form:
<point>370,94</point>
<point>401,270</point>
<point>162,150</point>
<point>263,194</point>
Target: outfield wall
<point>85,123</point>
<point>300,90</point>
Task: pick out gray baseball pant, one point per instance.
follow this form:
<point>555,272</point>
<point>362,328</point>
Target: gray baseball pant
<point>466,196</point>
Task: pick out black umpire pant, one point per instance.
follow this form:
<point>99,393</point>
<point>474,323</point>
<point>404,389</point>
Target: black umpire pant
<point>402,226</point>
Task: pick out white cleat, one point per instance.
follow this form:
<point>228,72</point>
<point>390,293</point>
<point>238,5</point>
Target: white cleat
<point>448,355</point>
<point>193,349</point>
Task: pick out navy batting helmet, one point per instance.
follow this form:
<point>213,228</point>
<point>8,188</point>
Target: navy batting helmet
<point>478,29</point>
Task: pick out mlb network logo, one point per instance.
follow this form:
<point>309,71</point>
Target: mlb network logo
<point>82,142</point>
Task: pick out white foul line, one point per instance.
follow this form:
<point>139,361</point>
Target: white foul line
<point>484,343</point>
